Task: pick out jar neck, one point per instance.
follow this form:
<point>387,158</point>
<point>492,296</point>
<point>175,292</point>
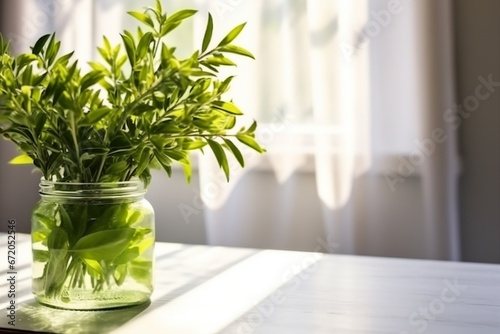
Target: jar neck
<point>87,191</point>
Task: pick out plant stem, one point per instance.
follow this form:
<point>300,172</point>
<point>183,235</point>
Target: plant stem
<point>75,142</point>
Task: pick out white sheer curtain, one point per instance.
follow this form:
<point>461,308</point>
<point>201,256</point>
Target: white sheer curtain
<point>350,96</point>
<point>363,86</point>
<point>320,95</point>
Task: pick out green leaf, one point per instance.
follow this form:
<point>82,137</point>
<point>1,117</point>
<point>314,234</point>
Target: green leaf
<point>40,44</point>
<point>25,59</point>
<point>144,18</point>
<point>91,79</point>
<point>134,218</point>
<point>164,161</point>
<point>40,255</point>
<point>202,124</point>
<point>39,123</point>
<point>58,239</point>
<point>159,141</point>
<point>224,86</point>
<point>201,74</point>
<point>114,216</point>
<point>168,127</point>
<point>227,107</point>
<point>237,50</point>
<point>21,160</point>
<point>219,60</point>
<point>95,116</point>
<point>4,45</point>
<point>130,48</point>
<point>169,52</point>
<point>144,161</point>
<point>168,27</point>
<point>106,85</point>
<point>232,35</point>
<point>127,256</point>
<point>38,81</point>
<point>220,155</point>
<point>27,79</point>
<point>26,90</point>
<point>162,158</point>
<point>63,61</point>
<point>141,271</point>
<point>143,46</point>
<point>52,49</point>
<point>142,108</point>
<point>210,67</point>
<point>146,243</point>
<point>252,128</point>
<point>46,221</point>
<point>65,220</point>
<point>39,236</point>
<point>119,64</point>
<point>230,123</point>
<point>175,20</point>
<point>236,152</point>
<point>55,269</point>
<point>193,145</point>
<point>181,15</point>
<point>117,168</point>
<point>145,177</point>
<point>119,274</point>
<point>104,245</point>
<point>250,142</point>
<point>177,155</point>
<point>159,7</point>
<point>87,156</point>
<point>104,54</point>
<point>94,268</point>
<point>188,171</point>
<point>107,44</point>
<point>99,67</point>
<point>208,33</point>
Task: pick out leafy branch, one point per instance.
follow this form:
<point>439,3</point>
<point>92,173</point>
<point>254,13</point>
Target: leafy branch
<point>139,107</point>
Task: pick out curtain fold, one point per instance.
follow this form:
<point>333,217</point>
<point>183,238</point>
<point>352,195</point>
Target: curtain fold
<point>440,170</point>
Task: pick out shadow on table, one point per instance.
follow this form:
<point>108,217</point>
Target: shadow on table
<point>51,320</point>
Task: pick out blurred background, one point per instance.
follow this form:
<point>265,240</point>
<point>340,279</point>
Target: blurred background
<point>381,120</point>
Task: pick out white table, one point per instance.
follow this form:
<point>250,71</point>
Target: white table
<point>203,289</point>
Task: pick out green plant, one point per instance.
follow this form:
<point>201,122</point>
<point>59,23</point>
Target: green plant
<point>151,108</point>
<point>139,108</point>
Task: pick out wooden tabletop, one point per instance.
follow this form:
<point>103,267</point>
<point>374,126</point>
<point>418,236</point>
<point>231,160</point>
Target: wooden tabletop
<point>206,289</point>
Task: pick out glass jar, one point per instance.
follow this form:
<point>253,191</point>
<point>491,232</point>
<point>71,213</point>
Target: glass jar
<point>92,245</point>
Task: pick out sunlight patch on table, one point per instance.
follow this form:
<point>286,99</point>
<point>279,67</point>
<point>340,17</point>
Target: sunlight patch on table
<point>213,305</point>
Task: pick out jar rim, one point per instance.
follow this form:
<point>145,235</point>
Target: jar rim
<point>82,190</point>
